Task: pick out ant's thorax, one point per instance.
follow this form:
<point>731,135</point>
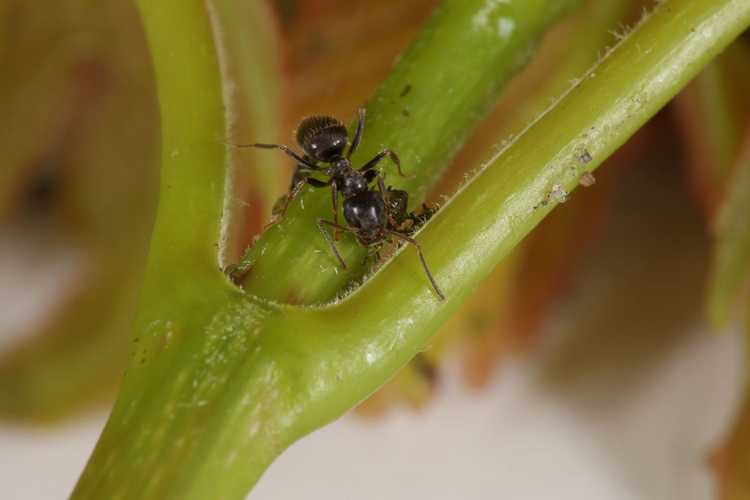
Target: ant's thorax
<point>350,182</point>
<point>339,167</point>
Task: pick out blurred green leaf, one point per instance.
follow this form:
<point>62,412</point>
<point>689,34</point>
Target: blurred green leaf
<point>731,260</point>
<point>96,165</point>
<point>713,116</point>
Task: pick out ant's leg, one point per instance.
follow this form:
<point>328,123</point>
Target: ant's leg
<point>386,152</point>
<point>371,175</point>
<point>383,195</point>
<point>296,190</point>
<point>285,149</point>
<point>330,241</point>
<point>386,199</point>
<point>358,134</point>
<point>335,200</point>
<point>317,183</point>
<point>421,257</point>
<point>381,186</point>
<point>279,213</point>
<point>372,255</point>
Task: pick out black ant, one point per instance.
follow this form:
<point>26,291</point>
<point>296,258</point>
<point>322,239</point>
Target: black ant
<point>372,215</point>
<point>324,139</point>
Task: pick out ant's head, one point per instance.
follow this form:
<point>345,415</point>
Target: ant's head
<point>323,138</point>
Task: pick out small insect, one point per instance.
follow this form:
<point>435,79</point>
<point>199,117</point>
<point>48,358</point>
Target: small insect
<point>323,140</point>
<point>373,215</point>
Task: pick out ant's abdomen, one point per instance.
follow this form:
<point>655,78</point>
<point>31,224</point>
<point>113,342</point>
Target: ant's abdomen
<point>365,211</point>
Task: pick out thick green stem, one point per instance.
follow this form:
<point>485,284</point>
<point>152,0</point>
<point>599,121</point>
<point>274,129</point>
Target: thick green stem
<point>184,286</point>
<point>220,394</point>
<point>183,272</point>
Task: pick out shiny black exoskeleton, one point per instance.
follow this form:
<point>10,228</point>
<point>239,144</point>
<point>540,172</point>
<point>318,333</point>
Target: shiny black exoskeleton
<point>378,215</point>
<point>365,212</point>
<point>324,140</point>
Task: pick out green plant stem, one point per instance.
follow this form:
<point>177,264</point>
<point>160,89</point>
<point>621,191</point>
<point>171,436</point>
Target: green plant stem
<point>186,236</point>
<point>184,286</point>
<point>441,87</point>
<point>223,393</point>
<point>573,46</point>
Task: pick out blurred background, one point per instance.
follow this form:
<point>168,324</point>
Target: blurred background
<point>604,358</point>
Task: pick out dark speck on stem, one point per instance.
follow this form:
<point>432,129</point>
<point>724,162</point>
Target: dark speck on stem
<point>585,157</point>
